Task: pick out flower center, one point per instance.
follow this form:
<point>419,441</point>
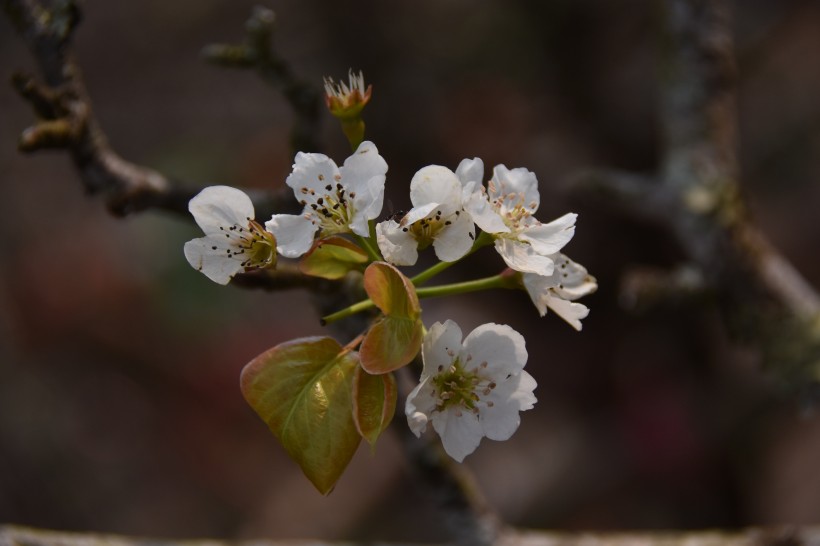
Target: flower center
<point>333,209</point>
<point>460,389</point>
<point>425,231</point>
<point>254,244</point>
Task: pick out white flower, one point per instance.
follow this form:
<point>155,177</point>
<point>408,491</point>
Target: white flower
<point>336,199</point>
<point>505,210</point>
<point>558,291</point>
<point>233,240</point>
<point>472,389</point>
<point>437,217</point>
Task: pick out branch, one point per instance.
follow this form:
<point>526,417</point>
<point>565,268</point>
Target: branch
<point>66,118</point>
<point>11,535</point>
<point>696,194</point>
<point>256,52</point>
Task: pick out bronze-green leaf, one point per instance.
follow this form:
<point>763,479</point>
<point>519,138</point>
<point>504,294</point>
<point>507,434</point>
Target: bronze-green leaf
<point>374,403</point>
<point>391,291</point>
<point>395,338</point>
<point>303,390</point>
<point>332,257</point>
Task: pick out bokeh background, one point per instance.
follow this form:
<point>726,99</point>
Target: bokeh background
<point>119,402</point>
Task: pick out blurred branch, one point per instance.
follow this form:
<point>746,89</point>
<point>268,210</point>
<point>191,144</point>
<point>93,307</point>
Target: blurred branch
<point>256,52</point>
<point>786,536</point>
<point>66,118</point>
<point>696,194</point>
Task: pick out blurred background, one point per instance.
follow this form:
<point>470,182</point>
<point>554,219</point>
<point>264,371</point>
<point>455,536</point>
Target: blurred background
<point>119,402</point>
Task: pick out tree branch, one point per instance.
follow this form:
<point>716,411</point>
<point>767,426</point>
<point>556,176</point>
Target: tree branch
<point>696,195</point>
<point>256,52</point>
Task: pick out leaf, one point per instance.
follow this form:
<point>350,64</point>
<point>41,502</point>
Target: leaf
<point>303,390</point>
<point>395,338</point>
<point>374,403</point>
<point>332,257</point>
<point>391,291</point>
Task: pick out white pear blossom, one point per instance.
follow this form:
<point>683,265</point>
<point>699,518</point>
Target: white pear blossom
<point>233,240</point>
<point>336,199</point>
<point>472,389</point>
<point>505,210</point>
<point>437,217</point>
<point>558,291</point>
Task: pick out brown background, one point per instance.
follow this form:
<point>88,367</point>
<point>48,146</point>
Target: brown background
<point>119,402</point>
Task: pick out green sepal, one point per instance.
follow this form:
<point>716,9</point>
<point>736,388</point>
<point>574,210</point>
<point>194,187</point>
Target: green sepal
<point>332,258</point>
<point>374,403</point>
<point>303,390</point>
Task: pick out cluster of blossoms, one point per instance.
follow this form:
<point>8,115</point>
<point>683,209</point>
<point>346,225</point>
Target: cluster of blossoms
<point>470,388</point>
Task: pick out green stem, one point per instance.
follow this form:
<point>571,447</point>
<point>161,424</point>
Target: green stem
<point>482,240</point>
<point>367,243</point>
<point>502,280</point>
<point>363,305</point>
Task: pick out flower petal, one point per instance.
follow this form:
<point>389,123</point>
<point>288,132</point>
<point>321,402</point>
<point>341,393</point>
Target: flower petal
<point>312,173</point>
<point>210,256</point>
<point>502,348</point>
<point>501,420</point>
<point>522,257</point>
<point>436,184</point>
<point>396,245</point>
<point>419,406</point>
<point>294,233</point>
<point>470,170</point>
<point>519,181</point>
<point>477,205</point>
<point>441,344</point>
<point>570,311</point>
<point>456,239</point>
<point>363,174</point>
<point>460,432</point>
<point>549,238</point>
<point>417,213</point>
<point>221,206</point>
<point>572,281</point>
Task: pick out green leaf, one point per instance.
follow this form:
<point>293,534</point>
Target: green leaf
<point>332,257</point>
<point>395,338</point>
<point>374,403</point>
<point>303,390</point>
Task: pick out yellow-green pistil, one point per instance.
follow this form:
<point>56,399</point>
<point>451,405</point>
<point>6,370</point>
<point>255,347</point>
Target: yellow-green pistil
<point>254,244</point>
<point>457,388</point>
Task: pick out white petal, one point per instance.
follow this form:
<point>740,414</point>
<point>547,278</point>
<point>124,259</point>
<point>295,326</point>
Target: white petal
<point>502,419</point>
<point>568,310</point>
<point>519,181</point>
<point>419,406</point>
<point>549,238</point>
<point>440,346</point>
<point>364,175</point>
<point>478,206</point>
<point>522,257</point>
<point>470,170</point>
<point>396,245</point>
<point>460,432</point>
<point>538,287</point>
<point>571,279</point>
<point>220,206</point>
<point>312,172</point>
<point>455,241</point>
<point>294,234</point>
<point>436,184</point>
<point>417,213</point>
<point>502,348</point>
<point>215,263</point>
